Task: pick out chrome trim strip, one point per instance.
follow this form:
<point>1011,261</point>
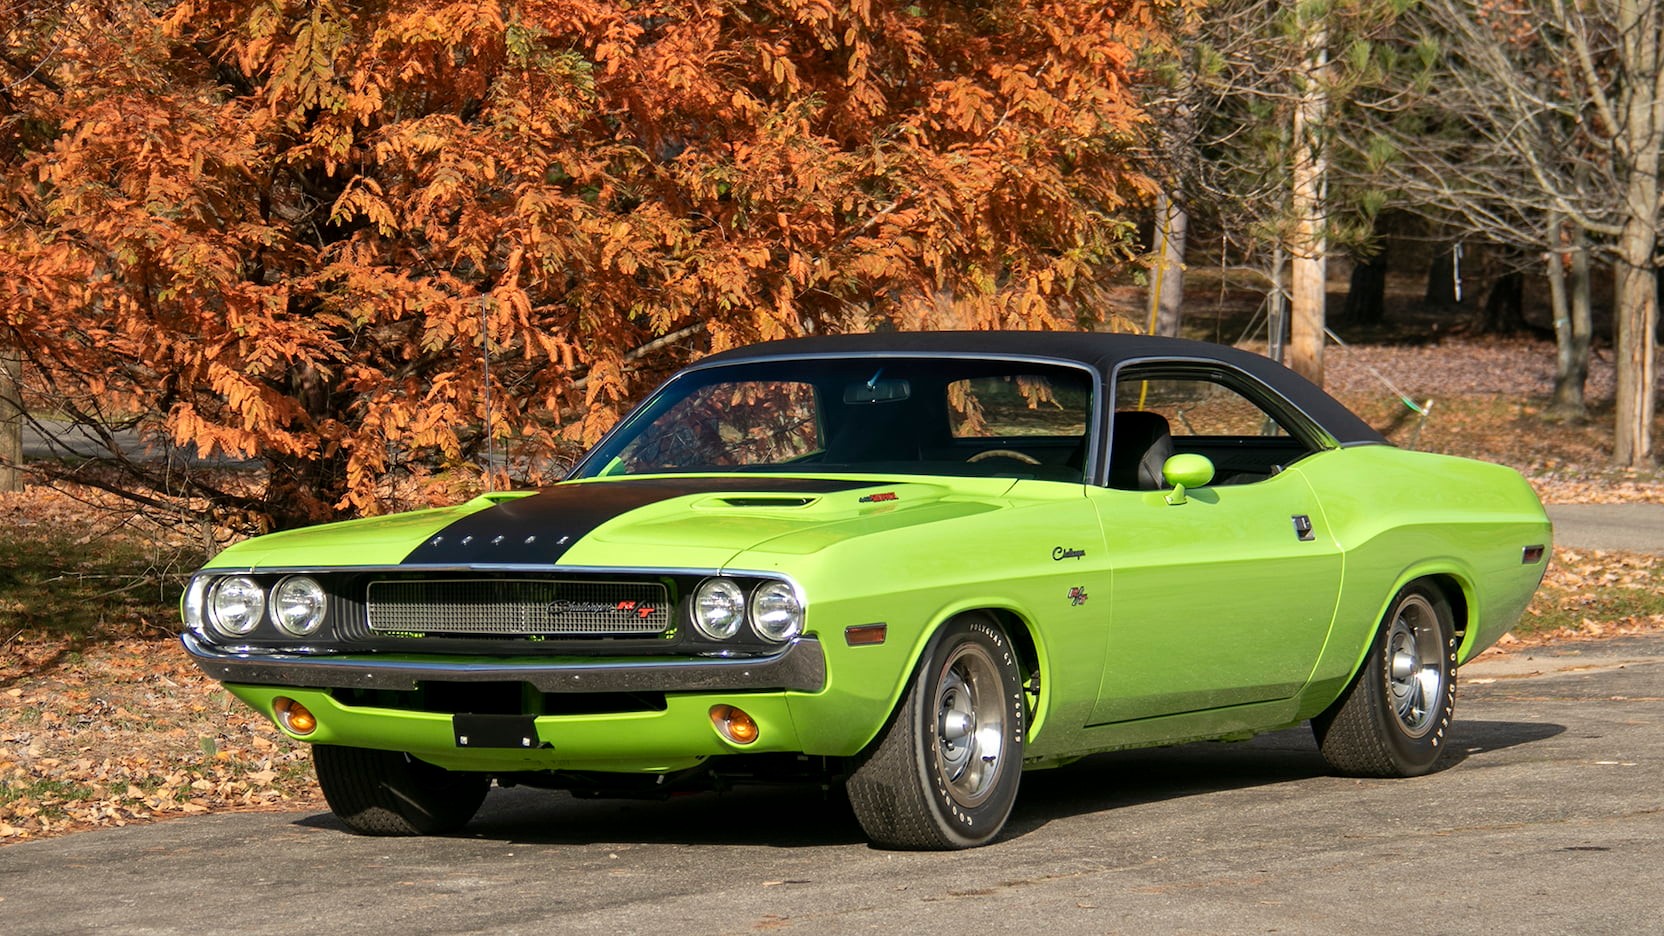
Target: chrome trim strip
<point>800,666</point>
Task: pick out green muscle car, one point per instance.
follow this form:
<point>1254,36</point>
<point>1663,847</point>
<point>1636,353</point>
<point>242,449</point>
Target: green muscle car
<point>915,563</point>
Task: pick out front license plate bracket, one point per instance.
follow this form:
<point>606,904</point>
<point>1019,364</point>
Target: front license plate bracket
<point>496,731</point>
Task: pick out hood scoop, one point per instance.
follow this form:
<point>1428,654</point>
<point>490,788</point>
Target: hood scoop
<point>753,500</point>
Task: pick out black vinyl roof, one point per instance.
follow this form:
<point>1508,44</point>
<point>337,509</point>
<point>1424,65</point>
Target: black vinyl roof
<point>1103,352</point>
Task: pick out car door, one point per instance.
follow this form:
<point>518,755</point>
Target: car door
<point>1225,595</point>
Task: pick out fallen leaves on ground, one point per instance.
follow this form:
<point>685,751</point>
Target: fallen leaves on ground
<point>1519,368</point>
<point>104,721</point>
<point>1595,593</point>
<point>130,731</point>
<point>1486,398</point>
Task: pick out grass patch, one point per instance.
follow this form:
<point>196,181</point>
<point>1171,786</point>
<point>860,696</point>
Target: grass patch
<point>49,791</point>
<point>54,790</point>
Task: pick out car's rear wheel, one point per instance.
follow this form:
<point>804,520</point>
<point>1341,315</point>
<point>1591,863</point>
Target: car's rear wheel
<point>392,793</point>
<point>943,774</point>
<point>1393,719</point>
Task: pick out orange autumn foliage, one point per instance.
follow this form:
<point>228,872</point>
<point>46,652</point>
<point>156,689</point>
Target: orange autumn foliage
<point>291,230</point>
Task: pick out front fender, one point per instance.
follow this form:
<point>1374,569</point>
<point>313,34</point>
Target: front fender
<point>865,684</point>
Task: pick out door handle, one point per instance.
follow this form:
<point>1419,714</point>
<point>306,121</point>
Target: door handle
<point>1303,528</point>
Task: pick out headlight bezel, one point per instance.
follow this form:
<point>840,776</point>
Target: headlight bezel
<point>787,604</point>
<point>319,601</point>
<point>193,605</point>
<point>734,597</point>
<point>255,600</point>
<point>764,611</point>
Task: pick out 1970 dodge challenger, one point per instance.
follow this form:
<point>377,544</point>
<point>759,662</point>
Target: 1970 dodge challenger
<point>916,562</point>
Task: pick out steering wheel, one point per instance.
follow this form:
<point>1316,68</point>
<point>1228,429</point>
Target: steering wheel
<point>986,454</point>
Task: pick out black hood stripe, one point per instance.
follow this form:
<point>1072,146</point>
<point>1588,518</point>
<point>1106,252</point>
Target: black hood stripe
<point>539,529</point>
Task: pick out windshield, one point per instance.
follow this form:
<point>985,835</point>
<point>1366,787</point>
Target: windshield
<point>909,415</point>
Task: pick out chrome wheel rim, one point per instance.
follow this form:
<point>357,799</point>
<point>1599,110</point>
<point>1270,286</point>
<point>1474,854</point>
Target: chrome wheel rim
<point>970,726</point>
<point>1415,666</point>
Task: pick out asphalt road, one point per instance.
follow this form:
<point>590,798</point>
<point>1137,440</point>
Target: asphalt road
<point>68,441</point>
<point>1548,819</point>
<point>1631,527</point>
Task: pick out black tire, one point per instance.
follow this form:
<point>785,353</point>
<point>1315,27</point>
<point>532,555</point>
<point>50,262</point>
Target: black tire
<point>943,773</point>
<point>391,793</point>
<point>1393,719</point>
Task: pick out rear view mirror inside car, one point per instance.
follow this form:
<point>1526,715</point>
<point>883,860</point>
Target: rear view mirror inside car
<point>892,390</point>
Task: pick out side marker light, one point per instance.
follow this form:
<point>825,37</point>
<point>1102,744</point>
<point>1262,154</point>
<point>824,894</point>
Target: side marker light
<point>865,635</point>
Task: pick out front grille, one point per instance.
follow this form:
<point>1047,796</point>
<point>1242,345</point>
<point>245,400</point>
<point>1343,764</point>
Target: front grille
<point>518,607</point>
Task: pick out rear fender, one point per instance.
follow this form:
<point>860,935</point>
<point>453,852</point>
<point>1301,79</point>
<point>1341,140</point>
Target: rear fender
<point>1452,577</point>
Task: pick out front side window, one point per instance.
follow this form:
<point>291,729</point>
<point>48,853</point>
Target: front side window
<point>1197,407</point>
<point>1238,425</point>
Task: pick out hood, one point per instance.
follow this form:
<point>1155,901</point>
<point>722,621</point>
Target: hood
<point>666,522</point>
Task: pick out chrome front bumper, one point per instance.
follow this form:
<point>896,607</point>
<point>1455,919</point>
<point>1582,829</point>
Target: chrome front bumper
<point>800,666</point>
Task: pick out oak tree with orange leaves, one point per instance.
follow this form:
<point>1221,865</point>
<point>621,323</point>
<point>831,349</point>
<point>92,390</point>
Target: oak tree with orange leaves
<point>321,235</point>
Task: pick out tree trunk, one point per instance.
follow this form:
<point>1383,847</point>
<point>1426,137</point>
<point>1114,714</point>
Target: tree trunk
<point>1641,115</point>
<point>1583,314</point>
<point>1167,276</point>
<point>1366,298</point>
<point>1559,306</point>
<point>1571,325</point>
<point>304,491</point>
<point>11,420</point>
<point>1636,318</point>
<point>1309,248</point>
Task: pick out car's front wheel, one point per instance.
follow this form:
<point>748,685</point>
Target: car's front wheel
<point>1393,719</point>
<point>392,793</point>
<point>943,774</point>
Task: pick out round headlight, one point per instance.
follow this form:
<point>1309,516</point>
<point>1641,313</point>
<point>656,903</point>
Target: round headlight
<point>298,606</point>
<point>776,614</point>
<point>236,605</point>
<point>718,608</point>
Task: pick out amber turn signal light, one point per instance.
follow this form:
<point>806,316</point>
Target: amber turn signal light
<point>293,716</point>
<point>734,724</point>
